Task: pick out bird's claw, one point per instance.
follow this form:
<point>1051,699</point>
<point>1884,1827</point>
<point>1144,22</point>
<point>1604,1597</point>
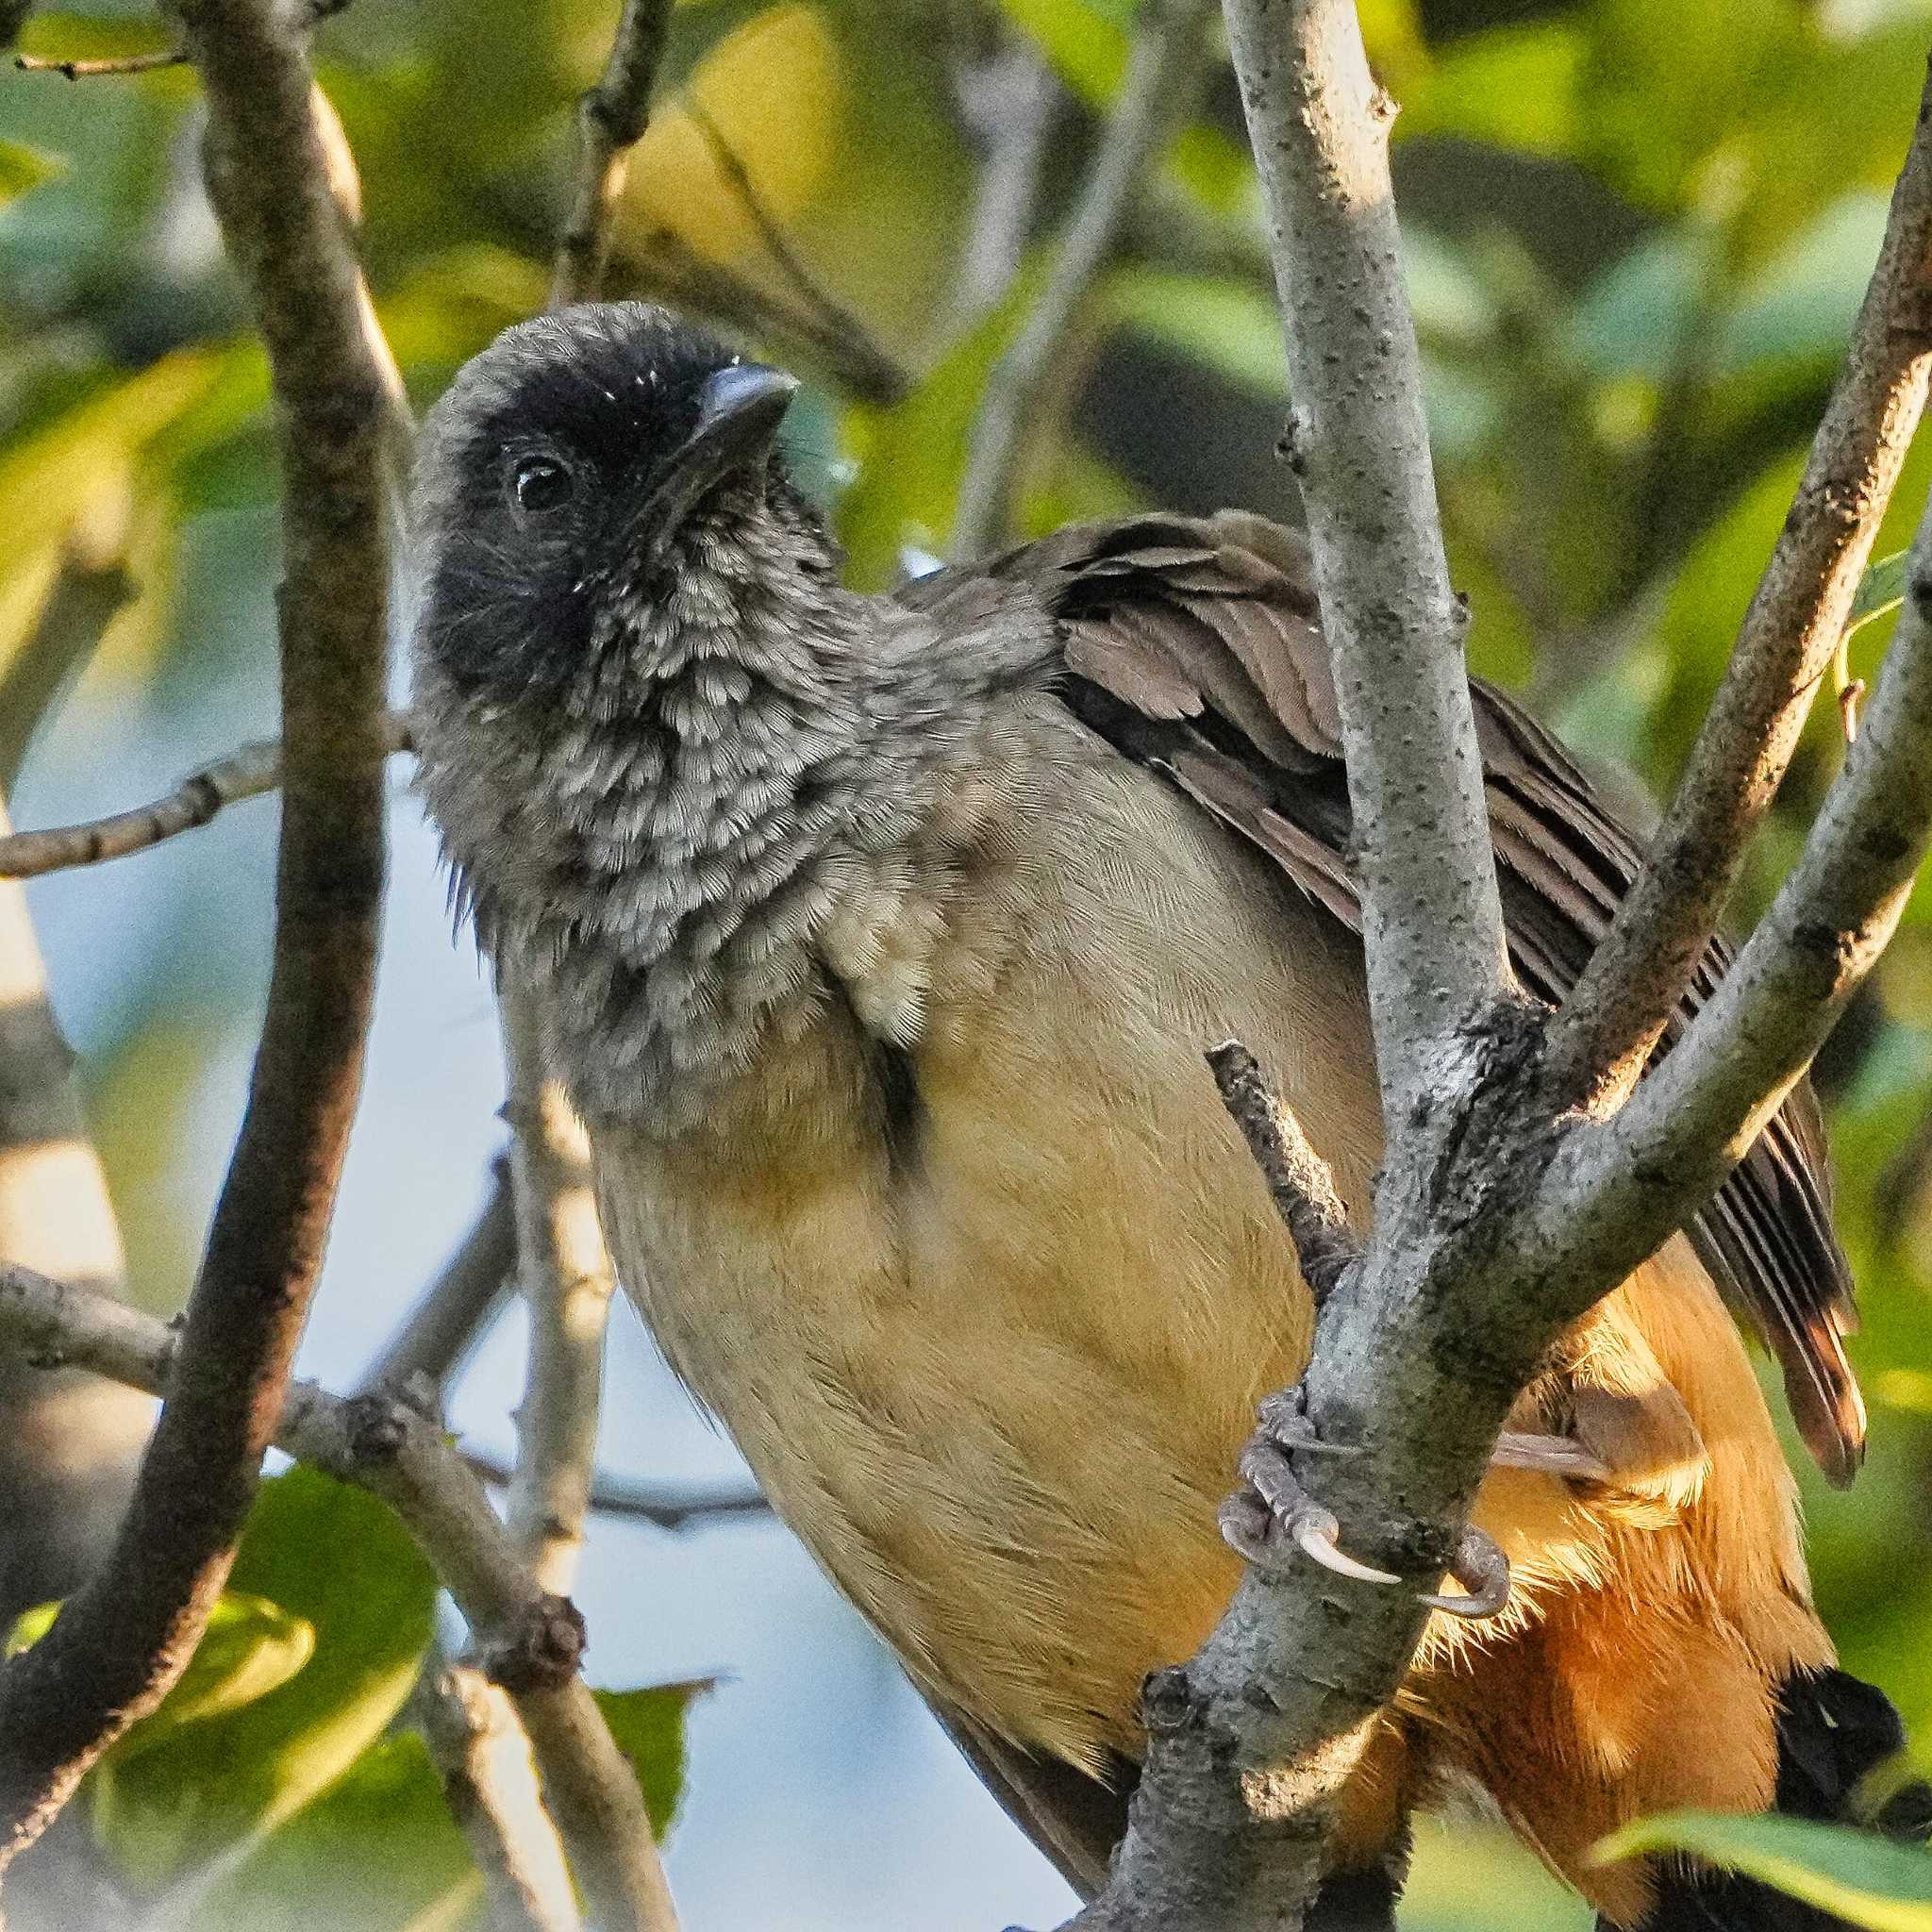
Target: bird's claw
<point>1274,1504</point>
<point>1562,1455</point>
<point>1480,1562</point>
<point>1272,1507</point>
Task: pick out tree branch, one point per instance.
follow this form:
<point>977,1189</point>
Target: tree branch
<point>483,1758</point>
<point>1432,922</point>
<point>249,773</point>
<point>1155,97</point>
<point>611,118</point>
<point>1625,1184</point>
<point>1500,1217</point>
<point>530,1639</point>
<point>1009,101</point>
<point>122,1639</point>
<point>1300,1181</point>
<point>672,1506</point>
<point>568,1281</point>
<point>1617,1011</point>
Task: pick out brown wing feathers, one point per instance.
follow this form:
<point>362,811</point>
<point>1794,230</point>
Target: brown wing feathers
<point>1193,646</point>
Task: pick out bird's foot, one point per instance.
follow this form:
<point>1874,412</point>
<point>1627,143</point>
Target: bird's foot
<point>1561,1456</point>
<point>1272,1515</point>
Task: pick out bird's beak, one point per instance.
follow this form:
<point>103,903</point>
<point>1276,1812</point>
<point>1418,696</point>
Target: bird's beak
<point>740,409</point>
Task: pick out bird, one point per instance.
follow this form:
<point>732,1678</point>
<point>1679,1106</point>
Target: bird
<point>878,939</point>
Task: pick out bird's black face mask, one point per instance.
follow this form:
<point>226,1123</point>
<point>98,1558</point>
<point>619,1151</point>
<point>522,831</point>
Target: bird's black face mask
<point>580,481</point>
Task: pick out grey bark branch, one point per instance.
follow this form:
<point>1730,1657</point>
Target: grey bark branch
<point>568,1281</point>
<point>531,1639</point>
<point>1008,102</point>
<point>1698,1111</point>
<point>1431,917</point>
<point>124,1637</point>
<point>1500,1217</point>
<point>490,1783</point>
<point>1155,98</point>
<point>1618,1010</point>
<point>248,772</point>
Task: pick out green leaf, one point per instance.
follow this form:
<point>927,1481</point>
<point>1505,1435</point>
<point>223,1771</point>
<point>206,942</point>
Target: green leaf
<point>22,167</point>
<point>1512,87</point>
<point>338,1560</point>
<point>1881,590</point>
<point>1863,1878</point>
<point>379,1845</point>
<point>648,1727</point>
<point>251,1646</point>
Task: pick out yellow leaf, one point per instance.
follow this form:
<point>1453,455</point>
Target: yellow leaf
<point>774,90</point>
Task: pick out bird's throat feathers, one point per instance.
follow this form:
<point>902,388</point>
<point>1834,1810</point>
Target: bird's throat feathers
<point>660,829</point>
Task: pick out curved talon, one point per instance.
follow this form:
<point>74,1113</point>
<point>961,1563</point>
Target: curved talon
<point>1479,1560</point>
<point>1314,1532</point>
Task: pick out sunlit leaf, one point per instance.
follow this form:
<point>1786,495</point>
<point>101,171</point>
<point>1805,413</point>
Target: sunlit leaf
<point>1865,1879</point>
<point>1513,87</point>
<point>250,1646</point>
<point>338,1559</point>
<point>377,1852</point>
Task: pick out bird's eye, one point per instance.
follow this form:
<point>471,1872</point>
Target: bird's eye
<point>540,484</point>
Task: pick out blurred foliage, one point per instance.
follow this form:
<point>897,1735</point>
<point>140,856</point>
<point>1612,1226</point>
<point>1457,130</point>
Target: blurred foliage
<point>1863,1879</point>
<point>1636,235</point>
<point>263,1780</point>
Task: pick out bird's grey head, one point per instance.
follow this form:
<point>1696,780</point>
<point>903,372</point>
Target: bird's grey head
<point>574,478</point>
<point>643,719</point>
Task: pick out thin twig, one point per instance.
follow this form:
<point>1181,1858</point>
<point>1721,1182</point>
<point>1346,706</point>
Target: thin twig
<point>667,1505</point>
<point>111,64</point>
<point>124,1638</point>
<point>249,773</point>
<point>1155,97</point>
<point>830,316</point>
<point>1617,1011</point>
<point>1300,1181</point>
<point>531,1638</point>
<point>456,1307</point>
<point>855,360</point>
<point>568,1281</point>
<point>611,118</point>
<point>490,1783</point>
<point>1431,916</point>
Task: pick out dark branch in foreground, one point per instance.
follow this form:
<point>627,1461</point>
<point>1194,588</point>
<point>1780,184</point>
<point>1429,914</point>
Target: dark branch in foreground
<point>612,118</point>
<point>122,1640</point>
